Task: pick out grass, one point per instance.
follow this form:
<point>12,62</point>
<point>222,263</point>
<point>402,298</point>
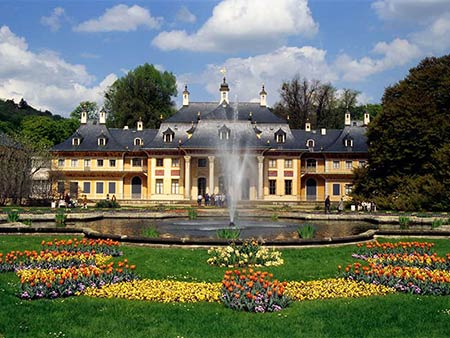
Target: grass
<point>397,315</point>
<point>150,232</point>
<point>306,231</point>
<point>228,233</point>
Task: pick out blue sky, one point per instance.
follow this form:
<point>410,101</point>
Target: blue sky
<point>56,54</point>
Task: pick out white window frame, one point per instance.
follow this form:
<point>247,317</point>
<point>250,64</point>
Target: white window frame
<point>159,186</point>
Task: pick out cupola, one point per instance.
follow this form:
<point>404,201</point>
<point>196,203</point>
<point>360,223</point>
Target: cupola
<point>224,89</point>
<point>185,97</point>
<point>140,125</point>
<point>348,120</point>
<point>102,117</point>
<point>263,97</point>
<point>83,117</point>
<point>366,118</point>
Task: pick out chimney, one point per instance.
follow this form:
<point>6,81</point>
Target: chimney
<point>185,97</point>
<point>307,126</point>
<point>140,125</point>
<point>263,97</point>
<point>102,117</point>
<point>224,89</point>
<point>83,119</point>
<point>348,120</point>
<point>323,131</point>
<point>366,118</point>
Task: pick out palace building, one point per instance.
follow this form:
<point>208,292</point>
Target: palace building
<point>187,156</point>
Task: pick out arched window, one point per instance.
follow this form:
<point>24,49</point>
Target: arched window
<point>168,135</point>
<point>280,136</point>
<point>224,133</point>
<point>310,144</point>
<point>138,141</point>
<point>76,141</point>
<point>348,142</point>
<point>101,141</point>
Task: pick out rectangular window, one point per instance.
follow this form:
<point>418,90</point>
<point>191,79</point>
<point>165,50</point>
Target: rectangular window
<point>99,187</point>
<point>87,187</point>
<point>202,162</point>
<point>99,163</point>
<point>336,164</point>
<point>288,187</point>
<point>112,187</point>
<point>74,163</point>
<point>288,163</point>
<point>61,162</point>
<point>348,164</point>
<point>272,187</point>
<point>272,163</point>
<point>175,162</point>
<point>175,187</point>
<point>362,164</point>
<point>136,162</point>
<point>336,189</point>
<point>348,189</point>
<point>87,163</point>
<point>112,163</point>
<point>61,188</point>
<point>159,186</point>
<point>159,162</point>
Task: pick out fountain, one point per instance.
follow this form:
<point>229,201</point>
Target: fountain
<point>235,160</point>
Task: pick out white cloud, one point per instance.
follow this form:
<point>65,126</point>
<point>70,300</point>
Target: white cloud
<point>120,18</point>
<point>54,20</point>
<point>184,15</point>
<point>435,37</point>
<point>239,24</point>
<point>396,53</point>
<point>44,79</point>
<point>246,75</point>
<point>422,11</point>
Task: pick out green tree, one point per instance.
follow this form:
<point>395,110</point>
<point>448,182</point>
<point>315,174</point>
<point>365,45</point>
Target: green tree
<point>91,108</point>
<point>409,151</point>
<point>144,93</point>
<point>46,132</point>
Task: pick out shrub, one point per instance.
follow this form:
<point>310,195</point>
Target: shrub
<point>13,216</point>
<point>437,223</point>
<point>404,222</point>
<point>306,231</point>
<point>192,213</point>
<point>60,218</point>
<point>250,253</point>
<point>274,217</point>
<point>150,232</point>
<point>253,291</point>
<point>232,233</point>
<point>107,204</point>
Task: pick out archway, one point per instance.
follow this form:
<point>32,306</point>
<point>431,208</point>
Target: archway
<point>136,188</point>
<point>311,189</point>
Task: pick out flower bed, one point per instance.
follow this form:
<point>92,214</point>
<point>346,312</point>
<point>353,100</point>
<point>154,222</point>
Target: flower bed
<point>250,253</point>
<point>104,246</point>
<point>405,266</point>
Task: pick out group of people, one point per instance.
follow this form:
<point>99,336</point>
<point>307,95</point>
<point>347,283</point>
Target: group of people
<point>218,200</point>
<point>340,206</point>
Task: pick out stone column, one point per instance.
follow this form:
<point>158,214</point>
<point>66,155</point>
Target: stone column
<point>260,177</point>
<point>211,174</point>
<point>187,177</point>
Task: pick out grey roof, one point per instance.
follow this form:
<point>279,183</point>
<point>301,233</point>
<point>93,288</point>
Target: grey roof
<point>116,139</point>
<point>225,111</point>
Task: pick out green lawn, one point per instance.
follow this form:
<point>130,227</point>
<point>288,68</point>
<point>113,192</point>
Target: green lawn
<point>396,315</point>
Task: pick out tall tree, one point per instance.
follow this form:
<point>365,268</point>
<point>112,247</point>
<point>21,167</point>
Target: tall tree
<point>91,108</point>
<point>409,151</point>
<point>144,93</point>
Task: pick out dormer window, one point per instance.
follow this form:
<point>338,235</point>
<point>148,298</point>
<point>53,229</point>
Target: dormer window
<point>310,144</point>
<point>102,141</point>
<point>76,141</point>
<point>168,135</point>
<point>138,141</point>
<point>348,142</point>
<point>224,133</point>
<point>280,136</point>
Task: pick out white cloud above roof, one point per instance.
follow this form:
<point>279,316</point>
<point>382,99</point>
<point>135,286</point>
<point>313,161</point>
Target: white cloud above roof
<point>121,18</point>
<point>44,79</point>
<point>396,53</point>
<point>184,15</point>
<point>240,24</point>
<point>53,21</point>
<point>410,10</point>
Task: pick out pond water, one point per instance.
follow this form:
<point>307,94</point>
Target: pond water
<point>208,227</point>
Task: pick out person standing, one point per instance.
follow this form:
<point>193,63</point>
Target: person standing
<point>341,206</point>
<point>327,204</point>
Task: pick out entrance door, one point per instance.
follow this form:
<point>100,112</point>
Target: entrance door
<point>311,189</point>
<point>73,189</point>
<point>201,185</point>
<point>245,189</point>
<point>136,187</point>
